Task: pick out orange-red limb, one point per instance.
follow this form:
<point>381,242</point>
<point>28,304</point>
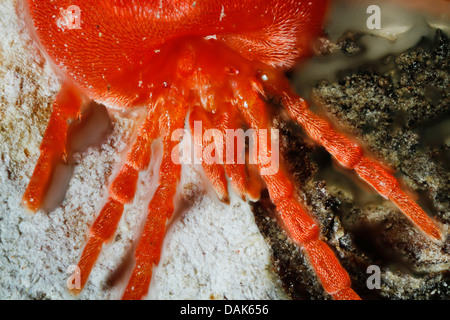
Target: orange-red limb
<point>213,170</point>
<point>299,224</point>
<point>160,210</point>
<point>66,107</point>
<point>350,155</point>
<point>234,170</point>
<point>148,251</point>
<point>121,192</point>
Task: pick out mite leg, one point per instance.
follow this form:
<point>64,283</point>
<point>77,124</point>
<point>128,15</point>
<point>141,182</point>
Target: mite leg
<point>234,168</point>
<point>121,192</point>
<point>53,147</point>
<point>160,209</point>
<point>298,223</point>
<point>148,250</point>
<point>213,169</point>
<point>350,155</point>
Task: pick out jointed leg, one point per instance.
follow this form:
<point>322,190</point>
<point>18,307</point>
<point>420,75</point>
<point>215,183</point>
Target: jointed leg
<point>234,169</point>
<point>299,224</point>
<point>232,153</point>
<point>122,191</point>
<point>53,147</point>
<point>214,171</point>
<point>161,208</point>
<point>351,156</point>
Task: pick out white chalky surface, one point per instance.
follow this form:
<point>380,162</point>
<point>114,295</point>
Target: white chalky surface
<point>211,250</point>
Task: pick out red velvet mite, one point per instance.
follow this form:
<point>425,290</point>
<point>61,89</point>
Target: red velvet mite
<point>206,60</point>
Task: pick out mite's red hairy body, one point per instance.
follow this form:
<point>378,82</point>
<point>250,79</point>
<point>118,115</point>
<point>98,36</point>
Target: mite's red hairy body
<point>130,40</point>
<point>214,62</point>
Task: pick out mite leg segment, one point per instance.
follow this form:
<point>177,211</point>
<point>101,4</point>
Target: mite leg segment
<point>53,147</point>
<point>213,169</point>
<point>298,223</point>
<point>160,210</point>
<point>234,169</point>
<point>351,156</point>
<point>121,192</point>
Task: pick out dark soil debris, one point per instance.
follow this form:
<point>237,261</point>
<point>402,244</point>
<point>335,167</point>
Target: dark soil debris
<point>399,110</point>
